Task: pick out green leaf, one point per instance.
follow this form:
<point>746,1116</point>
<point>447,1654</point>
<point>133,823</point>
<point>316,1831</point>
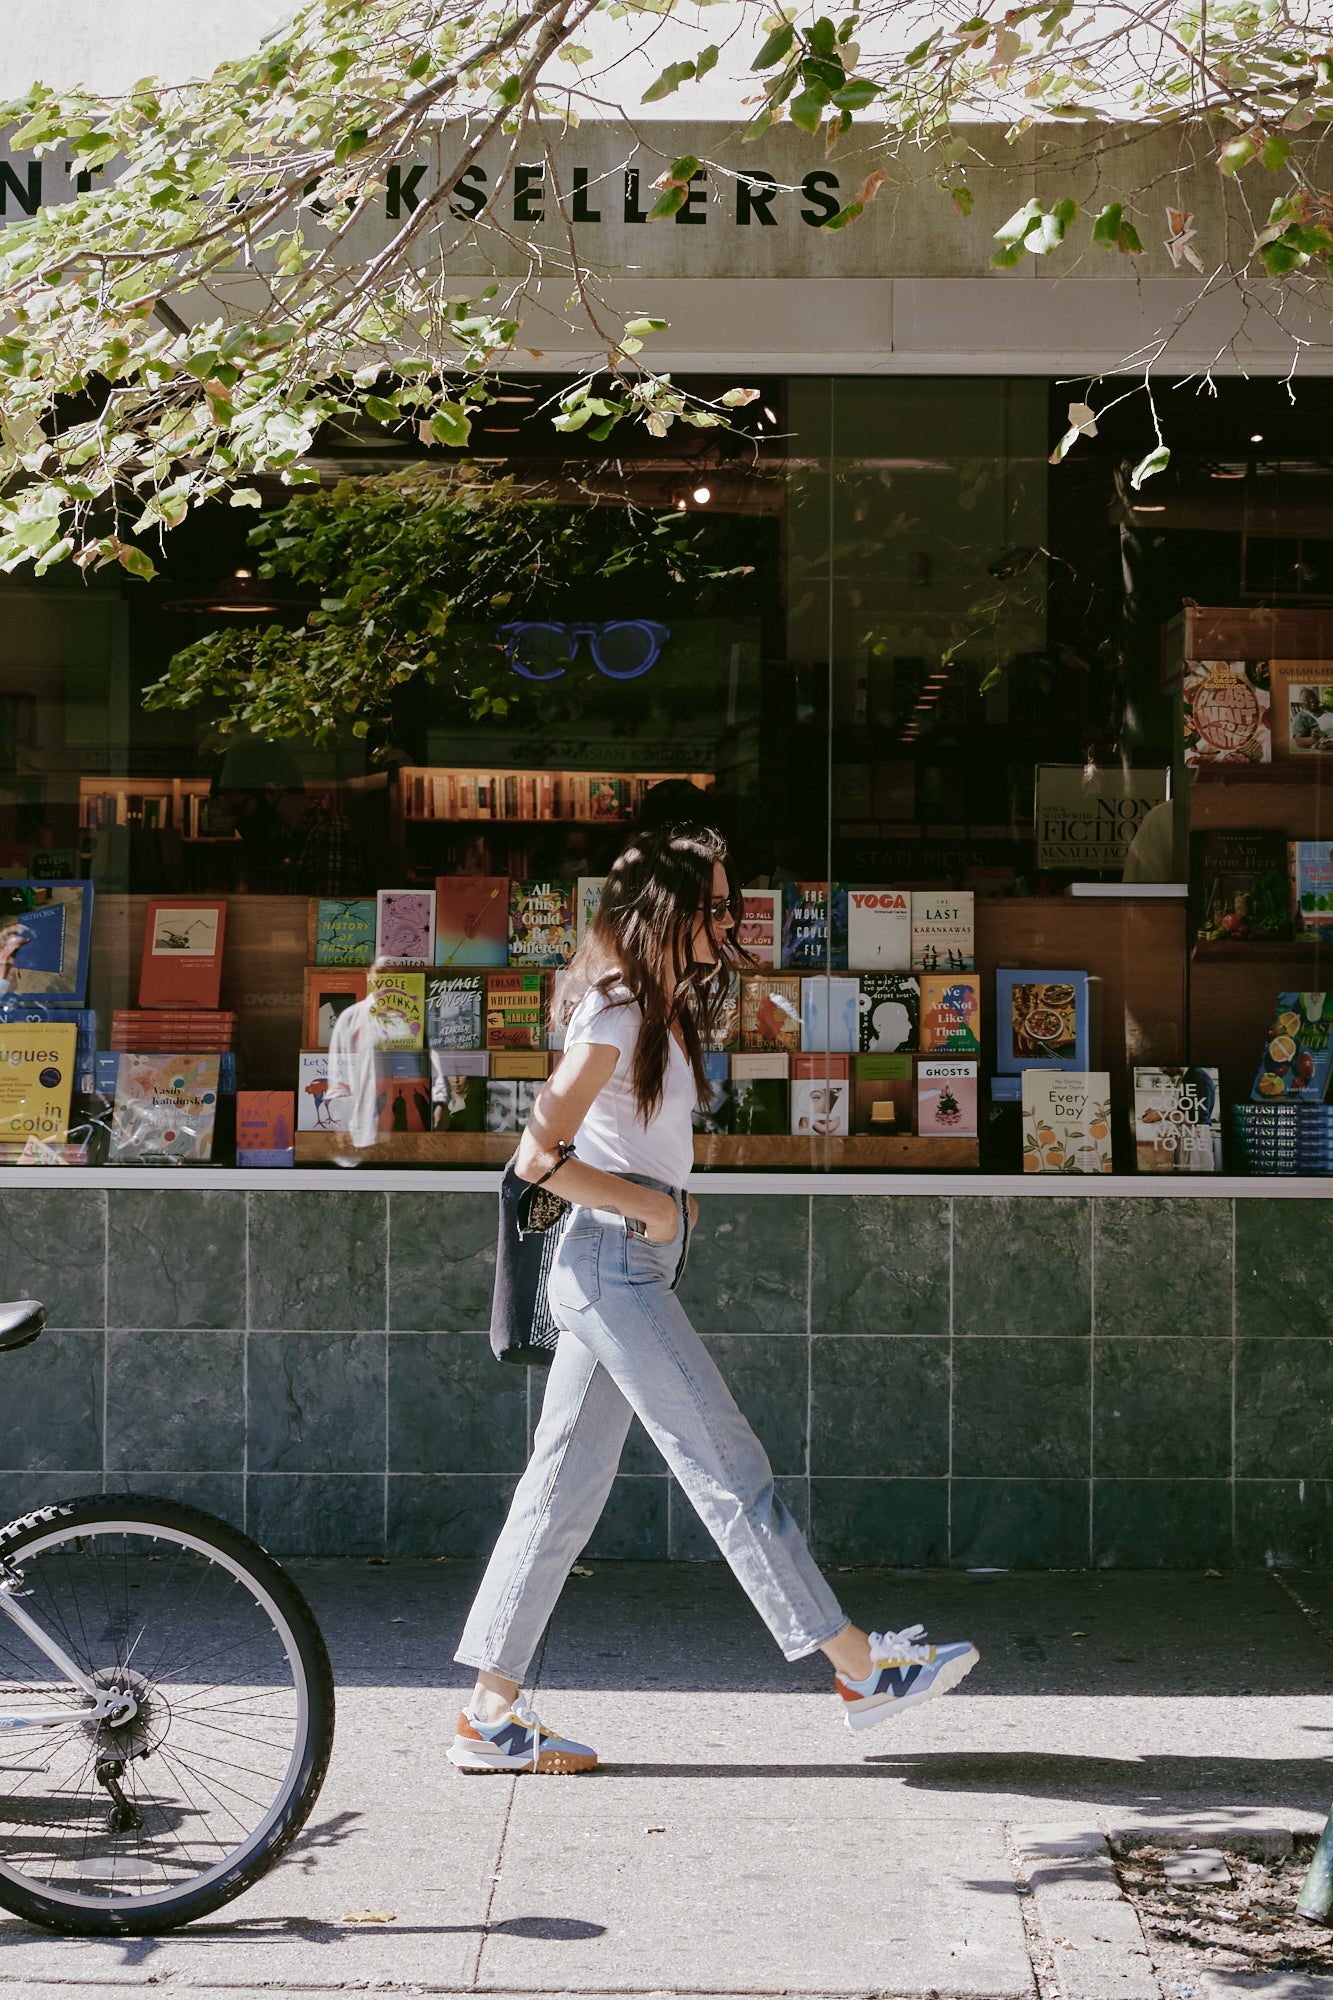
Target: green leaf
<point>383,409</point>
<point>823,37</point>
<point>450,424</point>
<point>667,203</point>
<point>685,168</point>
<point>855,96</point>
<point>707,60</point>
<point>1277,151</point>
<point>637,328</point>
<point>776,48</point>
<point>844,216</point>
<point>1020,222</point>
<point>1147,468</point>
<point>670,80</point>
<point>1007,258</point>
<point>1237,153</point>
<point>1106,227</point>
<point>962,199</point>
<point>245,496</point>
<point>806,110</point>
<point>136,561</point>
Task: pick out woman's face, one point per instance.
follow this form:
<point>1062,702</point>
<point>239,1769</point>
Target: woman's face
<point>714,920</point>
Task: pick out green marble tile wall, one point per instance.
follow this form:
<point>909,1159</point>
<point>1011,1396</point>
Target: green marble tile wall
<point>1013,1381</point>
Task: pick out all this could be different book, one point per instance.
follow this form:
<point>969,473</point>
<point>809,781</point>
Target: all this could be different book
<point>541,924</point>
<point>1066,1122</point>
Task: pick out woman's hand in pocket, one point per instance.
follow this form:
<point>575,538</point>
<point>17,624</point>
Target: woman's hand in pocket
<point>694,1212</point>
<point>661,1226</point>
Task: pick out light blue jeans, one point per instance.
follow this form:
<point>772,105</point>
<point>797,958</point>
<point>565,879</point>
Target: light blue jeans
<point>627,1349</point>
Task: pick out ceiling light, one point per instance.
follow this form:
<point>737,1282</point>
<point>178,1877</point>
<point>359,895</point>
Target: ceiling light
<point>513,399</point>
<point>769,414</point>
<point>1149,507</point>
<point>1256,437</point>
<point>702,495</point>
<point>680,506</point>
<point>239,594</point>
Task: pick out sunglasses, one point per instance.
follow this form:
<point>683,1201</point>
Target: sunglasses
<point>717,910</point>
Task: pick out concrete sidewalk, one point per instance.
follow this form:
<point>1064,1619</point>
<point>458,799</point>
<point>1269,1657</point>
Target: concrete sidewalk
<point>738,1839</point>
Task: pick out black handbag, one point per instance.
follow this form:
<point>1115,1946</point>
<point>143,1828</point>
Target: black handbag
<point>532,1219</point>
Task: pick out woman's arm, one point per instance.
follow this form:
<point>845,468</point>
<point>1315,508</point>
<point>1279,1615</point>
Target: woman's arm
<point>561,1107</point>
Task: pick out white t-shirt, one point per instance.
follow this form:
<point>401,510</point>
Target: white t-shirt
<point>613,1136</point>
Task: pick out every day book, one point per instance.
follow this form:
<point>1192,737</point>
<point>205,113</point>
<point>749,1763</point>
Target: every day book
<point>883,1094</point>
<point>830,1012</point>
<point>265,1124</point>
<point>458,1089</point>
<point>329,992</point>
<point>37,1060</point>
<point>397,1008</point>
<point>341,931</point>
<point>946,1099</point>
<point>889,1011</point>
<point>1310,864</point>
<point>182,954</point>
<point>166,1108</point>
<point>1297,1055</point>
<point>55,920</point>
<point>760,928</point>
<point>943,930</point>
<point>951,1013</point>
<point>1177,1119</point>
<point>1043,1020</point>
<point>471,920</point>
<point>1239,888</point>
<point>455,1009</point>
<point>541,924</point>
<point>814,925</point>
<point>405,927</point>
<point>515,1010</point>
<point>770,1011</point>
<point>1066,1122</point>
<point>879,930</point>
<point>1226,712</point>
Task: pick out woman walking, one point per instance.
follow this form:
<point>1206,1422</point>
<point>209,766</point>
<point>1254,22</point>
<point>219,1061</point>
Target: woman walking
<point>639,999</point>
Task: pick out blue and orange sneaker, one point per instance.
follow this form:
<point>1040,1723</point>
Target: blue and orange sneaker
<point>904,1670</point>
<point>517,1742</point>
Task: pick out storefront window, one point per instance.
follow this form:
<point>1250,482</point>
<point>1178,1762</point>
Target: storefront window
<point>1022,769</point>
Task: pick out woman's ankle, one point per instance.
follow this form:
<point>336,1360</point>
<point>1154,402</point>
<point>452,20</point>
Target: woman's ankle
<point>493,1697</point>
<point>849,1653</point>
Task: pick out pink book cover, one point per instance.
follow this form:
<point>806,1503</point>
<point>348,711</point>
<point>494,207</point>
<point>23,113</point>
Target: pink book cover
<point>405,926</point>
<point>265,1125</point>
<point>472,920</point>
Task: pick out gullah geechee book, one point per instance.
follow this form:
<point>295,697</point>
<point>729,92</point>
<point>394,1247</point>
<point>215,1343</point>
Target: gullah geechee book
<point>471,920</point>
<point>165,1108</point>
<point>1066,1122</point>
<point>1177,1121</point>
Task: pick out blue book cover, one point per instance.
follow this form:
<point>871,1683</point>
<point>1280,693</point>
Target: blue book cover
<point>53,924</point>
<point>1043,1020</point>
<point>814,926</point>
<point>831,1014</point>
<point>1311,864</point>
<point>1297,1057</point>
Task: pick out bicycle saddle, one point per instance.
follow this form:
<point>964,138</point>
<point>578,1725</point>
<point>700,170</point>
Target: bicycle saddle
<point>20,1322</point>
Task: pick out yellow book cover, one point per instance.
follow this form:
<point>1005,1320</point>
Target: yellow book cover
<point>36,1078</point>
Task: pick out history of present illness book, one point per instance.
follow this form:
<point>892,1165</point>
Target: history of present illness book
<point>1066,1122</point>
<point>471,920</point>
<point>1177,1119</point>
<point>541,924</point>
<point>943,930</point>
<point>56,919</point>
<point>342,931</point>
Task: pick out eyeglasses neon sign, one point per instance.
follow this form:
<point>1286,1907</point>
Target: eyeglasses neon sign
<point>621,648</point>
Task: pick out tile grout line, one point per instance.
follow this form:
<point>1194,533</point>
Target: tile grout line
<point>388,1280</point>
<point>948,1473</point>
<point>106,1317</point>
<point>245,1380</point>
<point>1092,1375</point>
<point>1235,1359</point>
<point>809,1365</point>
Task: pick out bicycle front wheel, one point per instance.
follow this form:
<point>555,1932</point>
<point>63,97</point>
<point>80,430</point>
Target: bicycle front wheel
<point>142,1821</point>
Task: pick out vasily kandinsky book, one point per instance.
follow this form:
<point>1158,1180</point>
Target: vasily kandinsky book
<point>166,1107</point>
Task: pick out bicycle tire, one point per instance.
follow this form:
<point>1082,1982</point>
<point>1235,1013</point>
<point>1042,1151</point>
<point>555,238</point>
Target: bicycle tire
<point>80,1520</point>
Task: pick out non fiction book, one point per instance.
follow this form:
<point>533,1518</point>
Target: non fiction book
<point>342,931</point>
<point>1226,712</point>
<point>946,1099</point>
<point>760,928</point>
<point>515,1010</point>
<point>405,927</point>
<point>770,1011</point>
<point>1297,1056</point>
<point>541,924</point>
<point>402,1092</point>
<point>830,1012</point>
<point>472,920</point>
<point>458,1089</point>
<point>1043,1020</point>
<point>879,930</point>
<point>1300,708</point>
<point>1066,1122</point>
<point>889,1012</point>
<point>943,930</point>
<point>397,1005</point>
<point>1310,864</point>
<point>265,1128</point>
<point>455,1010</point>
<point>326,1091</point>
<point>37,1062</point>
<point>52,922</point>
<point>951,1013</point>
<point>1177,1120</point>
<point>329,993</point>
<point>166,1109</point>
<point>587,896</point>
<point>1239,887</point>
<point>821,1096</point>
<point>883,1095</point>
<point>714,1115</point>
<point>814,926</point>
<point>182,954</point>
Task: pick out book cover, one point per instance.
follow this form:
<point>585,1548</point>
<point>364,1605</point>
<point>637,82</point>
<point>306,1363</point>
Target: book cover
<point>265,1125</point>
<point>405,927</point>
<point>515,1011</point>
<point>821,1105</point>
<point>1226,712</point>
<point>946,1099</point>
<point>951,1013</point>
<point>342,932</point>
<point>397,1002</point>
<point>764,1066</point>
<point>1177,1121</point>
<point>1239,886</point>
<point>402,1091</point>
<point>759,1104</point>
<point>770,1011</point>
<point>505,1065</point>
<point>883,1095</point>
<point>458,1089</point>
<point>325,1091</point>
<point>879,930</point>
<point>472,920</point>
<point>889,1012</point>
<point>1311,887</point>
<point>166,1107</point>
<point>727,1034</point>
<point>1042,1021</point>
<point>714,1115</point>
<point>37,1062</point>
<point>541,924</point>
<point>509,1104</point>
<point>328,993</point>
<point>455,1006</point>
<point>943,930</point>
<point>1066,1122</point>
<point>1300,696</point>
<point>814,925</point>
<point>1297,1057</point>
<point>182,953</point>
<point>587,895</point>
<point>830,1012</point>
<point>45,929</point>
<point>760,929</point>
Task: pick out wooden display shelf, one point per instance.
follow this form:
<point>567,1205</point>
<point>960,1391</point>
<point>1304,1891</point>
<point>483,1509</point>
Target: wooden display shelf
<point>413,1149</point>
<point>1272,951</point>
<point>1287,771</point>
<point>903,1154</point>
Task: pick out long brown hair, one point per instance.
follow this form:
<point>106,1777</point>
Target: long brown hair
<point>640,938</point>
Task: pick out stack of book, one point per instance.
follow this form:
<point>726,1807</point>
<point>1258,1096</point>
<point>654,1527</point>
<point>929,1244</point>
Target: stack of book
<point>148,1031</point>
<point>1282,1138</point>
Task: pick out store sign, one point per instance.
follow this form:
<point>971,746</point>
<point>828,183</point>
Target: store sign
<point>621,648</point>
<point>1086,817</point>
